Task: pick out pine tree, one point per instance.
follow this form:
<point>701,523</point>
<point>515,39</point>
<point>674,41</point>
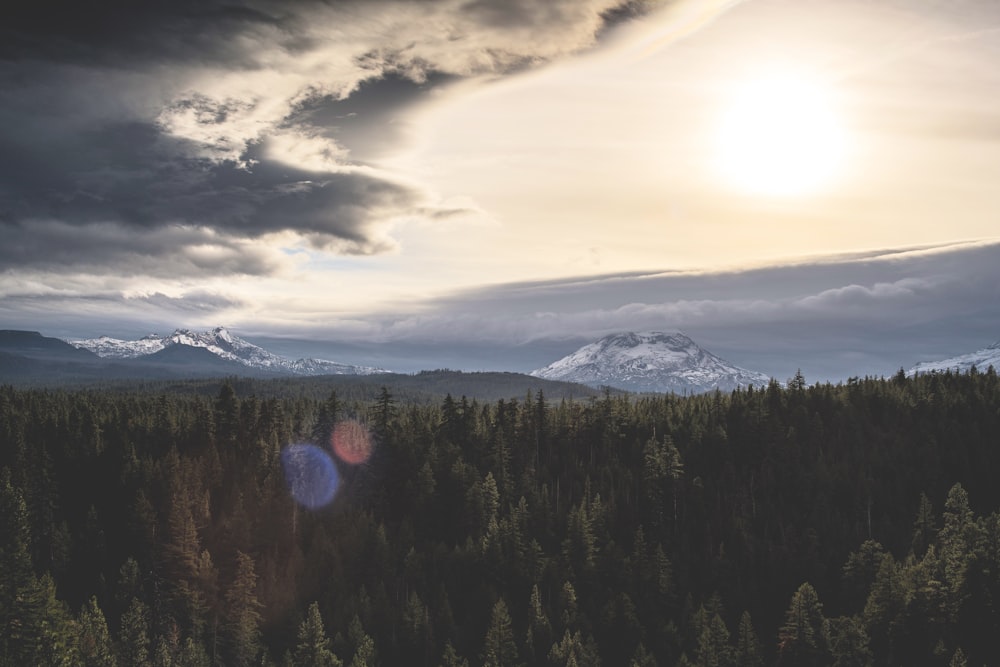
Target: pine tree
<point>574,651</point>
<point>313,645</point>
<point>499,649</point>
<point>883,611</point>
<point>241,626</point>
<point>95,640</point>
<point>539,635</point>
<point>42,632</point>
<point>713,644</point>
<point>747,645</point>
<point>364,645</point>
<point>642,658</point>
<point>134,636</point>
<point>924,529</point>
<point>802,640</point>
<point>849,643</point>
<point>15,559</point>
<point>450,658</point>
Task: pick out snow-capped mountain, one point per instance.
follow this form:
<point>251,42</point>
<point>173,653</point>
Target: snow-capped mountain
<point>981,359</point>
<point>650,361</point>
<point>222,343</point>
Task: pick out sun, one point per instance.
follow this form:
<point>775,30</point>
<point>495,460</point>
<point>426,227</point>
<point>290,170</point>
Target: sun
<point>780,136</point>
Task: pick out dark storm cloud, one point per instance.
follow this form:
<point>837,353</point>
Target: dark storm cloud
<point>108,248</point>
<point>122,123</point>
<point>121,33</point>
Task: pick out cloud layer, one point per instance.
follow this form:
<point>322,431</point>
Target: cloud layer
<point>126,126</point>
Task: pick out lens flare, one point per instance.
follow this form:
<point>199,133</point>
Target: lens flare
<point>310,474</point>
<point>351,442</point>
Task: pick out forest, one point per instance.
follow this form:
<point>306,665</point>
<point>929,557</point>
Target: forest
<point>827,525</point>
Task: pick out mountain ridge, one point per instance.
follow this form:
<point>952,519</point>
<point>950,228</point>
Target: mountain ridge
<point>222,343</point>
<point>981,359</point>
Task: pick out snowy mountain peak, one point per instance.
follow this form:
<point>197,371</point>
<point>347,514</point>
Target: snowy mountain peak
<point>981,359</point>
<point>222,343</point>
<point>650,361</point>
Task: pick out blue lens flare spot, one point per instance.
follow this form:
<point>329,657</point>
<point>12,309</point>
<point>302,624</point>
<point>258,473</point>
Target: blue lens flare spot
<point>310,474</point>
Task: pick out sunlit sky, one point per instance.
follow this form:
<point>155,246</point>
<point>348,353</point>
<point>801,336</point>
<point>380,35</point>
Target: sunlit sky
<point>794,184</point>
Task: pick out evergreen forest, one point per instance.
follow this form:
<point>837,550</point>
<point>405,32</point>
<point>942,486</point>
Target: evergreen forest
<point>827,525</point>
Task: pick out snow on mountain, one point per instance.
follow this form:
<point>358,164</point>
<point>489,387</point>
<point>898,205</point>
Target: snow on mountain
<point>650,361</point>
<point>981,359</point>
<point>222,343</point>
<point>114,348</point>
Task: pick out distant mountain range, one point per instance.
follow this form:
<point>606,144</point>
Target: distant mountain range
<point>642,362</point>
<point>651,361</point>
<point>28,355</point>
<point>981,359</point>
<point>219,342</point>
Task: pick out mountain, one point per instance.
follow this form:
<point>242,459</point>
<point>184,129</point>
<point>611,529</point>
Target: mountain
<point>221,343</point>
<point>33,345</point>
<point>981,359</point>
<point>650,361</point>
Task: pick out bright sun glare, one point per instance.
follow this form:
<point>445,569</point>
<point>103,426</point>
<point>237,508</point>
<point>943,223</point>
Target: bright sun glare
<point>780,136</point>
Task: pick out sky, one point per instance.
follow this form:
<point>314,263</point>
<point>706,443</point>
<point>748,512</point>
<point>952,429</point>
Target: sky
<point>489,184</point>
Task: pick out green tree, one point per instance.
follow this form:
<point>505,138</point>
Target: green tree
<point>747,652</point>
<point>849,643</point>
<point>802,640</point>
<point>642,657</point>
<point>364,645</point>
<point>450,658</point>
<point>134,636</point>
<point>713,644</point>
<point>499,649</point>
<point>573,651</point>
<point>883,613</point>
<point>924,527</point>
<point>15,560</point>
<point>539,634</point>
<point>42,632</point>
<point>96,649</point>
<point>313,645</point>
<point>241,625</point>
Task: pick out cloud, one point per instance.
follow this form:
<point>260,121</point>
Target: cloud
<point>224,118</point>
<point>175,251</point>
<point>82,311</point>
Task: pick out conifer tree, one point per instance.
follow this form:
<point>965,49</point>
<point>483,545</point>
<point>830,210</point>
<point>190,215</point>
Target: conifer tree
<point>747,652</point>
<point>642,658</point>
<point>924,528</point>
<point>313,645</point>
<point>42,632</point>
<point>538,641</point>
<point>450,658</point>
<point>849,643</point>
<point>574,651</point>
<point>802,640</point>
<point>499,649</point>
<point>96,649</point>
<point>713,644</point>
<point>241,626</point>
<point>364,645</point>
<point>15,558</point>
<point>134,636</point>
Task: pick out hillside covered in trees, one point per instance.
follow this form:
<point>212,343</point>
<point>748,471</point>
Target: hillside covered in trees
<point>828,525</point>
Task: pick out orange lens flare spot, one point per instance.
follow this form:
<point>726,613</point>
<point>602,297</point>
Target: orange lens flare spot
<point>351,442</point>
